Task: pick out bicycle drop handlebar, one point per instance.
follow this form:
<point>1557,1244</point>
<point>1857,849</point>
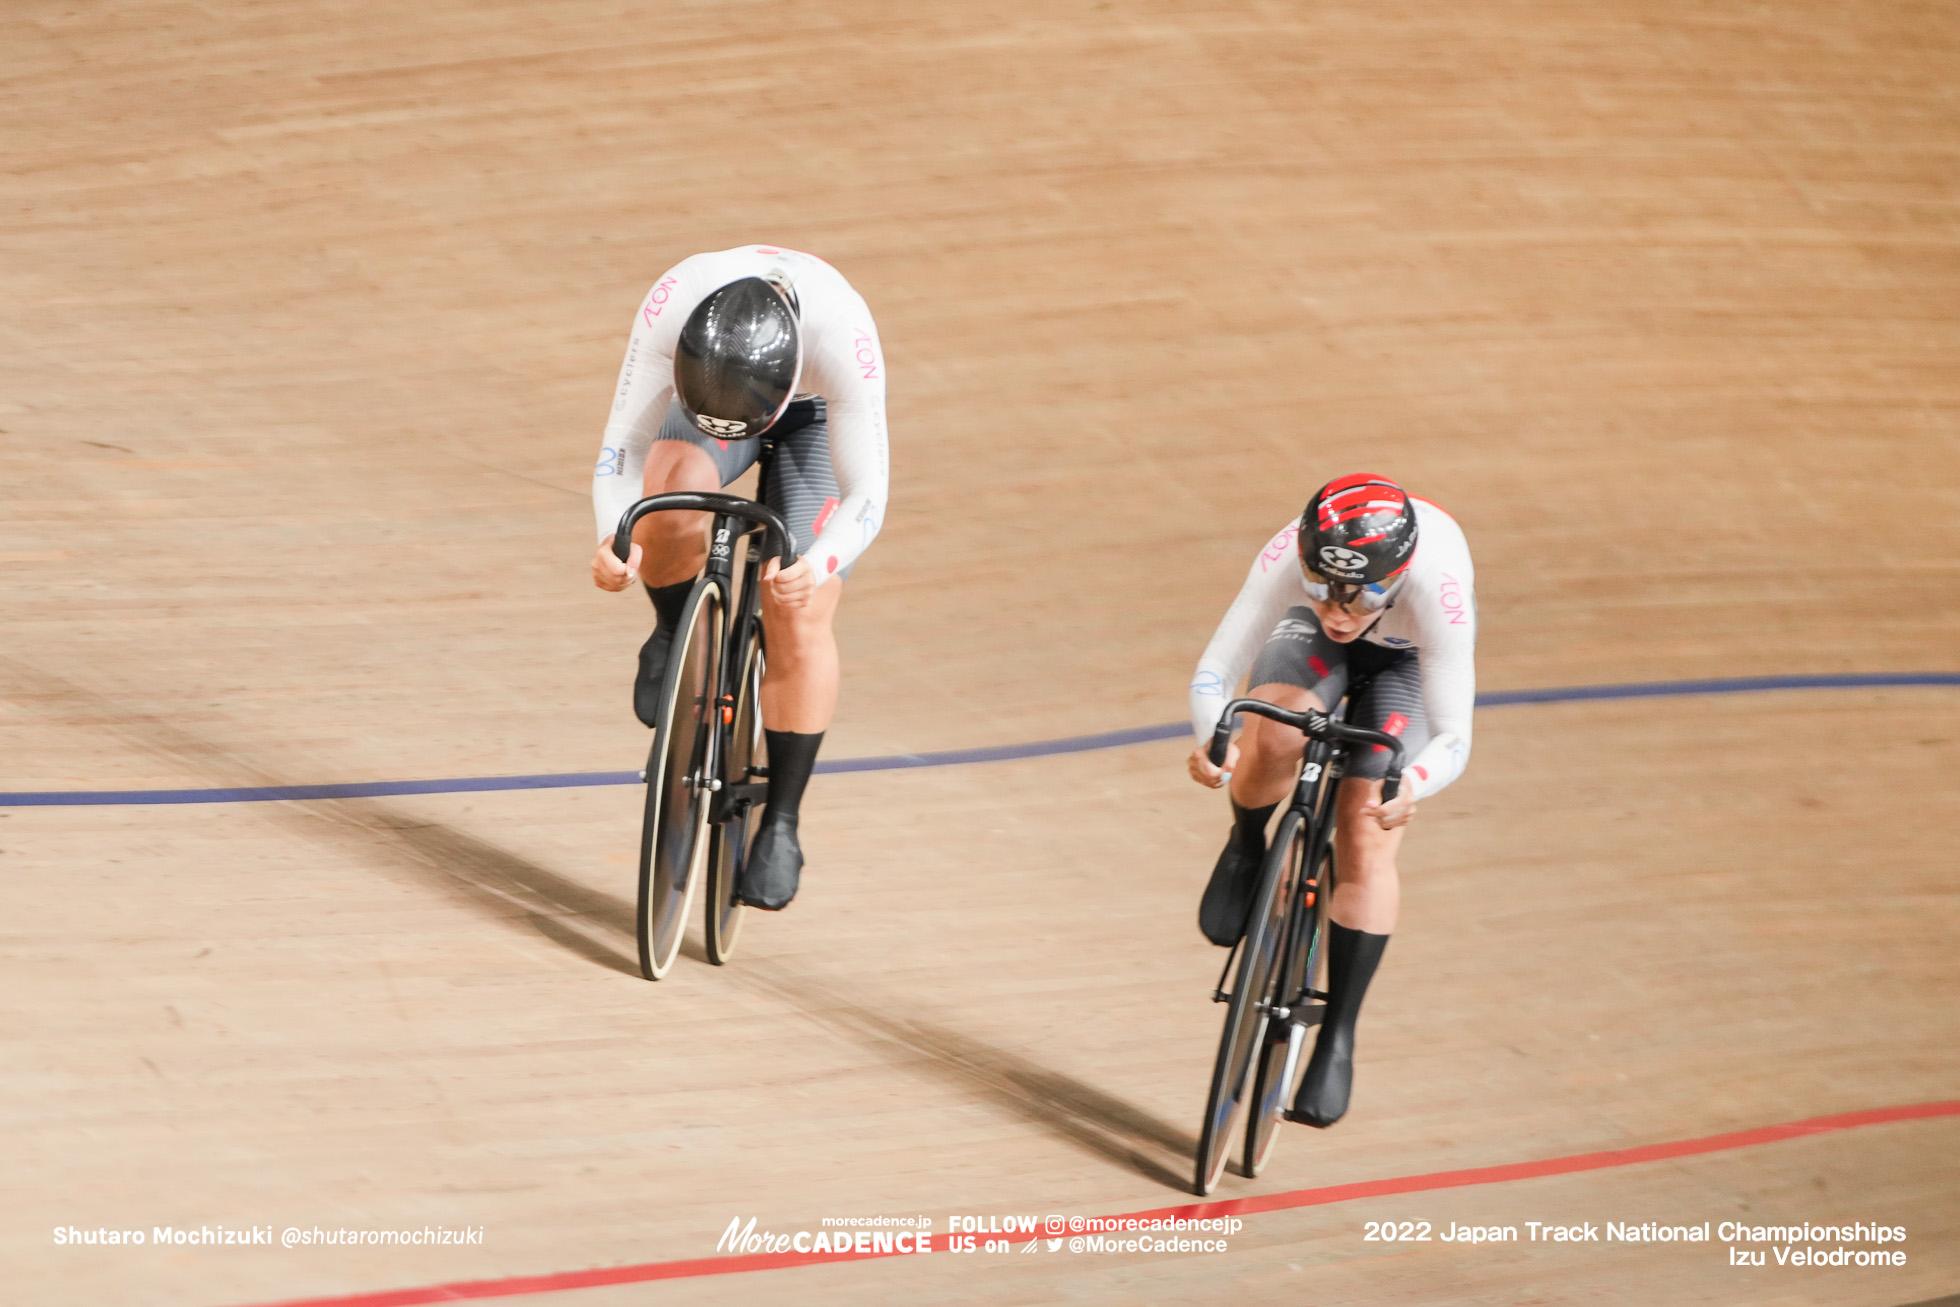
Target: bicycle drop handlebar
<point>1316,724</point>
<point>775,540</point>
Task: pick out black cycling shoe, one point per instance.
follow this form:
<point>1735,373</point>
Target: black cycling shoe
<point>1352,956</point>
<point>653,668</point>
<point>774,867</point>
<point>1324,1090</point>
<point>1228,898</point>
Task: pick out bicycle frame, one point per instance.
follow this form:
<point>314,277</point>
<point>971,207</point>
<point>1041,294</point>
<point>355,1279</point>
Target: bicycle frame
<point>1314,794</point>
<point>1278,956</point>
<point>735,518</point>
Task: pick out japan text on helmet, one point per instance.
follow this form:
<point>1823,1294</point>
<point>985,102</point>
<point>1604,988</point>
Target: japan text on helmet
<point>1356,539</point>
<point>739,355</point>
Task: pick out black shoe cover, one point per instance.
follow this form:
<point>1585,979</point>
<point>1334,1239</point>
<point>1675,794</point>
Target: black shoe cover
<point>1323,1096</point>
<point>1352,956</point>
<point>653,667</point>
<point>775,865</point>
<point>1228,898</point>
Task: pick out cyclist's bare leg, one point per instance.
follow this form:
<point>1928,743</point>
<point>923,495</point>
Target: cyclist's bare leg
<point>1269,753</point>
<point>799,692</point>
<point>799,687</point>
<point>674,545</point>
<point>1369,893</point>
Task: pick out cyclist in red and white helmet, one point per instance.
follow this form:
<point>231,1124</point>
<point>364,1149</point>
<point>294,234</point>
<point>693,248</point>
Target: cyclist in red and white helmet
<point>1373,583</point>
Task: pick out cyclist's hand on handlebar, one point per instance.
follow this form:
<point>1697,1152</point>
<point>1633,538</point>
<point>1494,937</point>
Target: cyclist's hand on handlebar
<point>1390,815</point>
<point>1207,775</point>
<point>608,573</point>
<point>793,588</point>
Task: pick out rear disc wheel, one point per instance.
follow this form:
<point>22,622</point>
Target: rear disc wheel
<point>745,762</point>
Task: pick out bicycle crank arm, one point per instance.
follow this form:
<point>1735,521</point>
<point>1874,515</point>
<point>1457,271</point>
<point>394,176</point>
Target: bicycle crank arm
<point>1295,1037</point>
<point>734,801</point>
<point>1219,994</point>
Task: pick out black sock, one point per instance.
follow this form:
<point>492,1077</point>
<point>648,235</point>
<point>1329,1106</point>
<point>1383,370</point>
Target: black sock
<point>668,600</point>
<point>1352,956</point>
<point>792,757</point>
<point>1249,826</point>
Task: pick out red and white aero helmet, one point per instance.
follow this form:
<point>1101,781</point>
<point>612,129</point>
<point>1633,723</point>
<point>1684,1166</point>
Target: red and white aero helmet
<point>1358,533</point>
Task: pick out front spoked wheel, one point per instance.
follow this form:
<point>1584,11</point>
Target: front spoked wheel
<point>745,762</point>
<point>1280,1062</point>
<point>672,846</point>
<point>1245,1010</point>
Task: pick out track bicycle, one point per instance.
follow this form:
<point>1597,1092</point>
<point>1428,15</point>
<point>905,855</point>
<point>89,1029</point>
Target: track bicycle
<point>707,775</point>
<point>1279,988</point>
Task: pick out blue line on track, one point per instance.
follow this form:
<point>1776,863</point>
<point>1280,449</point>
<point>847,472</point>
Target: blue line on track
<point>944,757</point>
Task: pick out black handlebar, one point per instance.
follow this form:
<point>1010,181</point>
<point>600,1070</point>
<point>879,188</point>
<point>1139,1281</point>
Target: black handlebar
<point>776,537</point>
<point>1317,725</point>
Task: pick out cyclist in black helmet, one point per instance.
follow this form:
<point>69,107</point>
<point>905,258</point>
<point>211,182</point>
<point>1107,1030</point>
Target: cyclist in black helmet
<point>1369,583</point>
<point>726,347</point>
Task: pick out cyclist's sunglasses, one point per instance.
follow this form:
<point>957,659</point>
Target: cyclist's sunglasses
<point>1370,598</point>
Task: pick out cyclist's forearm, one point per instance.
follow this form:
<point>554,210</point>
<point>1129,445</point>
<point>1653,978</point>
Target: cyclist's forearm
<point>1441,761</point>
<point>1211,687</point>
<point>1449,700</point>
<point>860,456</point>
<point>618,476</point>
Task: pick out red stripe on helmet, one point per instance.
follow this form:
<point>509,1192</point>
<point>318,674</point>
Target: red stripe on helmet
<point>1354,479</point>
<point>1358,495</point>
<point>1373,486</point>
<point>1330,517</point>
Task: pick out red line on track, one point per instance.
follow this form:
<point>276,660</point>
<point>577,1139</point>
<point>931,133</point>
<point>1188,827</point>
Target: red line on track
<point>522,1285</point>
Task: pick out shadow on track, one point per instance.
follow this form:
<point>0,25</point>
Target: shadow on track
<point>506,887</point>
<point>1090,1118</point>
<point>495,882</point>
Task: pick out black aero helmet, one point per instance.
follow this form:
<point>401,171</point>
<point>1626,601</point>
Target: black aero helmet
<point>736,366</point>
<point>1357,535</point>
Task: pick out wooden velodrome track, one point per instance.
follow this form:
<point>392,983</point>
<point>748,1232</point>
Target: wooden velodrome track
<point>309,316</point>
